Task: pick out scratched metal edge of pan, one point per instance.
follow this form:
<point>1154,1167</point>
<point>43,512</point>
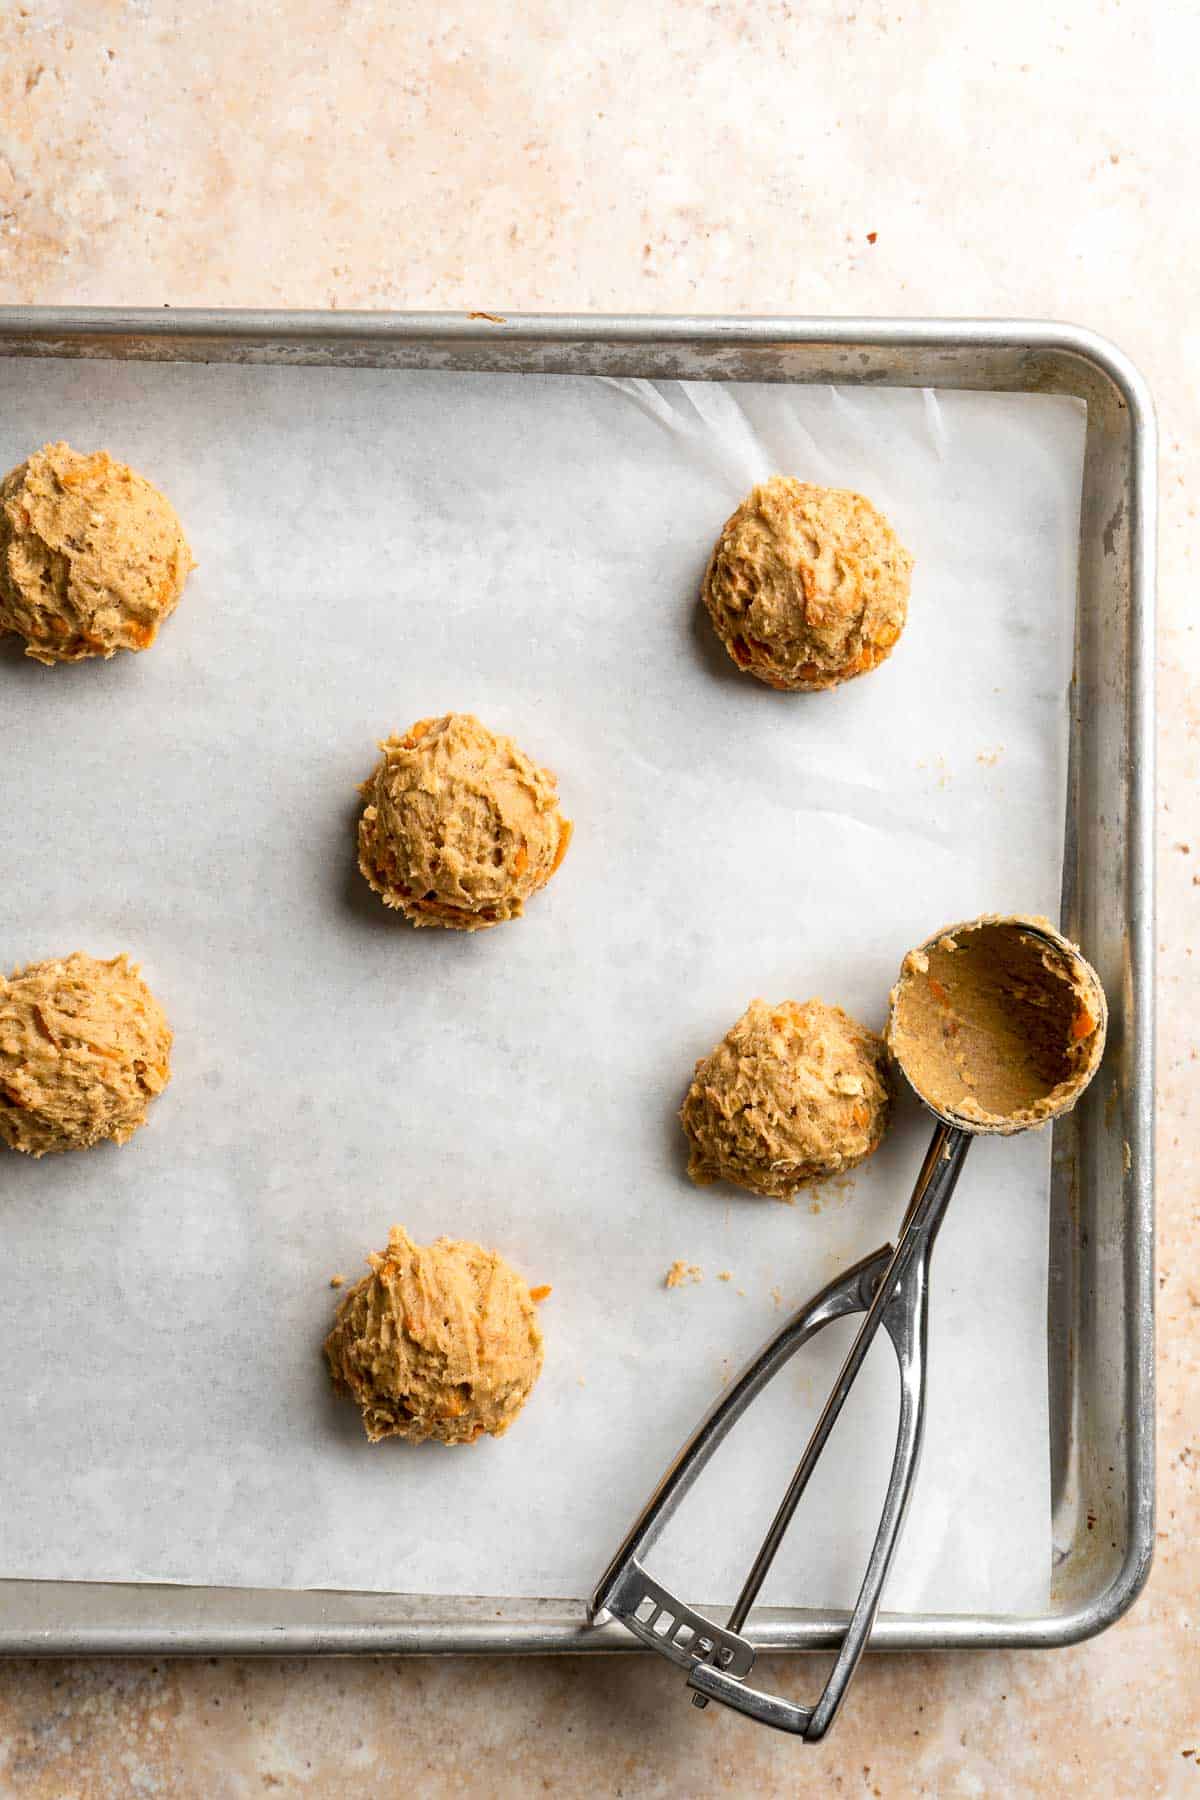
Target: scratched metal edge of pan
<point>998,355</point>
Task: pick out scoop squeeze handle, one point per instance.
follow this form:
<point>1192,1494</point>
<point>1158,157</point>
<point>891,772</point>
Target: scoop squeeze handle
<point>891,1289</point>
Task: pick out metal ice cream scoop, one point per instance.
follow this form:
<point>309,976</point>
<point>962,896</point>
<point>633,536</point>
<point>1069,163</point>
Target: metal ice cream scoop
<point>1003,1040</point>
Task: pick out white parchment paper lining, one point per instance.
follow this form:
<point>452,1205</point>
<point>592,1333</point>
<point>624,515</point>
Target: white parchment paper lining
<point>375,546</point>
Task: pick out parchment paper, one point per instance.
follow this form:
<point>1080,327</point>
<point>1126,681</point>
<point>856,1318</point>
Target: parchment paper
<point>373,547</point>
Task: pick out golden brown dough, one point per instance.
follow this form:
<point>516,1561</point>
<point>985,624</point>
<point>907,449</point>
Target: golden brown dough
<point>92,557</point>
<point>994,1025</point>
<point>807,586</point>
<point>438,1342</point>
<point>791,1094</point>
<point>460,826</point>
<point>84,1048</point>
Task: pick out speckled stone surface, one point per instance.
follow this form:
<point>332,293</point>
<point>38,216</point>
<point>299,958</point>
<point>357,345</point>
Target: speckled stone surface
<point>1037,159</point>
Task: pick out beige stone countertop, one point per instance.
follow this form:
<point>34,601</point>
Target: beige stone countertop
<point>1036,158</point>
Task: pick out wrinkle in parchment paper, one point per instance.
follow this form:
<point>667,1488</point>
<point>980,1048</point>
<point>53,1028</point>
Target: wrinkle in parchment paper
<point>375,547</point>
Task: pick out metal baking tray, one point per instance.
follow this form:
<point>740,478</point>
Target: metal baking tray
<point>1100,1320</point>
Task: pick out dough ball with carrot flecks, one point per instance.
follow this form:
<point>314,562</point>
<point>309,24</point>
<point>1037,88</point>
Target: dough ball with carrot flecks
<point>790,1095</point>
<point>439,1341</point>
<point>460,827</point>
<point>807,586</point>
<point>92,556</point>
<point>84,1048</point>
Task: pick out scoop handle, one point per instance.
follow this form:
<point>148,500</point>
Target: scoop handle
<point>899,1301</point>
<point>889,1288</point>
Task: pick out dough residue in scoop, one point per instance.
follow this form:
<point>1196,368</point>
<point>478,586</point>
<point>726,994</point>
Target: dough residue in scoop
<point>437,1342</point>
<point>994,1024</point>
<point>84,1048</point>
<point>460,827</point>
<point>790,1095</point>
<point>807,586</point>
<point>92,556</point>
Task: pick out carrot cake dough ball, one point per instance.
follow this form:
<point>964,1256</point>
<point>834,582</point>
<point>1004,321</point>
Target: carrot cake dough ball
<point>92,557</point>
<point>460,826</point>
<point>438,1342</point>
<point>807,586</point>
<point>791,1094</point>
<point>84,1048</point>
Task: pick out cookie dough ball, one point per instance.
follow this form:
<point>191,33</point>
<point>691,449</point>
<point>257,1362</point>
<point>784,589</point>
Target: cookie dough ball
<point>438,1342</point>
<point>807,586</point>
<point>460,827</point>
<point>791,1094</point>
<point>84,1048</point>
<point>92,557</point>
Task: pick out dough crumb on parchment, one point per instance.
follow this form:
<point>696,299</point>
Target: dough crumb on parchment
<point>681,1274</point>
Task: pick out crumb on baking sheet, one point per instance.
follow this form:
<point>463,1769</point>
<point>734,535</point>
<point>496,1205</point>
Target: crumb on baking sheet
<point>776,1297</point>
<point>542,1292</point>
<point>936,765</point>
<point>681,1273</point>
<point>725,1275</point>
<point>492,318</point>
<point>337,1281</point>
<point>989,758</point>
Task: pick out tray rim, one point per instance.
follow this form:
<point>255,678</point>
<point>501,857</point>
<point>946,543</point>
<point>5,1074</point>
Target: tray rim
<point>100,331</point>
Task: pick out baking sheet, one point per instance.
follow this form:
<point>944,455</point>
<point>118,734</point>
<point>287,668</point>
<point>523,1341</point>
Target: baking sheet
<point>375,546</point>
